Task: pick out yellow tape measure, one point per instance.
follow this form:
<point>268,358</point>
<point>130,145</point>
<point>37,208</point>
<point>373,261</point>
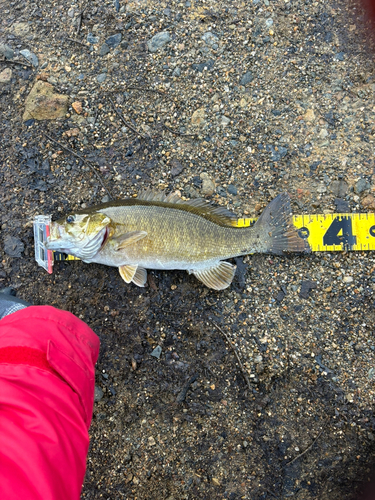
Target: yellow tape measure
<point>333,232</point>
<point>324,232</point>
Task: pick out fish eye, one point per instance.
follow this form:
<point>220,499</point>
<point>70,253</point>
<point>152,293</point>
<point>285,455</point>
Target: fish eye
<point>70,219</point>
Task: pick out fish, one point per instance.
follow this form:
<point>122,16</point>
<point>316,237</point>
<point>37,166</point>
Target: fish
<point>165,232</point>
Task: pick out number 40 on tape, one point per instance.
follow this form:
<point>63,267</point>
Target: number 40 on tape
<point>334,232</point>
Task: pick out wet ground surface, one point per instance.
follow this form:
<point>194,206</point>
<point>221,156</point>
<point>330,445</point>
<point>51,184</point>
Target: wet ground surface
<point>236,102</point>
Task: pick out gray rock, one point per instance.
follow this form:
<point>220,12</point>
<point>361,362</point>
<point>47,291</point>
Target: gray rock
<point>210,38</point>
<point>6,75</point>
<point>105,198</point>
<point>177,167</point>
<point>176,72</point>
<point>156,352</point>
<point>225,121</point>
<point>362,185</point>
<point>114,40</point>
<point>339,56</point>
<point>71,12</point>
<point>339,188</point>
<point>208,185</point>
<point>104,49</point>
<point>13,246</point>
<point>30,57</point>
<point>203,65</point>
<point>6,51</point>
<point>247,78</point>
<point>92,39</point>
<point>98,394</point>
<point>232,190</point>
<point>101,78</point>
<point>276,154</point>
<point>158,41</point>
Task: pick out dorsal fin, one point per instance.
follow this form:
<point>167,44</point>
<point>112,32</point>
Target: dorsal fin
<point>199,206</point>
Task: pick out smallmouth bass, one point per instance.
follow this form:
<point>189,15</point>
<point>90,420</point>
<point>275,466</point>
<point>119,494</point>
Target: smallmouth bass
<point>158,231</point>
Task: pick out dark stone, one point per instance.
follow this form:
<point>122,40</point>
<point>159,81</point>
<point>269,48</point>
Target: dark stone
<point>241,271</point>
<point>328,37</point>
<point>342,206</point>
<point>221,192</point>
<point>306,287</point>
<point>232,190</point>
<point>246,78</point>
<point>92,39</point>
<point>45,165</point>
<point>114,40</point>
<point>201,66</point>
<point>197,181</point>
<point>39,185</point>
<point>339,56</point>
<point>276,154</point>
<point>177,167</point>
<point>104,49</point>
<point>13,246</point>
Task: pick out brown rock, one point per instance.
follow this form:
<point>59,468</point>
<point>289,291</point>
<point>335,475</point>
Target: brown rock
<point>368,202</point>
<point>77,106</point>
<point>198,117</point>
<point>43,76</point>
<point>309,116</point>
<point>6,75</point>
<point>73,132</point>
<point>44,104</point>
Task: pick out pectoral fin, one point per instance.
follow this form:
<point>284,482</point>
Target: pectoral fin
<point>127,239</point>
<point>136,274</point>
<point>217,277</point>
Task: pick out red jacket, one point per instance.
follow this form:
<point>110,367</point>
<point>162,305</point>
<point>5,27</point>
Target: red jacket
<point>47,359</point>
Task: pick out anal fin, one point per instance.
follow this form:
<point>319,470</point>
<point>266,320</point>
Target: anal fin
<point>140,277</point>
<point>217,277</point>
<point>136,274</point>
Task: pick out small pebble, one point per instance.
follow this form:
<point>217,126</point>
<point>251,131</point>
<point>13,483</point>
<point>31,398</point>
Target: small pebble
<point>6,51</point>
<point>347,279</point>
<point>156,352</point>
<point>362,185</point>
<point>104,49</point>
<point>158,41</point>
<point>101,78</point>
<point>98,394</point>
<point>30,57</point>
<point>247,78</point>
<point>92,39</point>
<point>114,40</point>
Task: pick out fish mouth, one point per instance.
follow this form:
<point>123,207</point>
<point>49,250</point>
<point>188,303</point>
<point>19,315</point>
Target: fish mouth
<point>57,242</point>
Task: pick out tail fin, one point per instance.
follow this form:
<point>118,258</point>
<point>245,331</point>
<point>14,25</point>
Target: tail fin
<point>275,225</point>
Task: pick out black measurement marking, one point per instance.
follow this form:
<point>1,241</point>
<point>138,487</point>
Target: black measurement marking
<point>372,231</point>
<point>346,238</point>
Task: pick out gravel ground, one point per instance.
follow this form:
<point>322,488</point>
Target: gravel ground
<point>233,101</point>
